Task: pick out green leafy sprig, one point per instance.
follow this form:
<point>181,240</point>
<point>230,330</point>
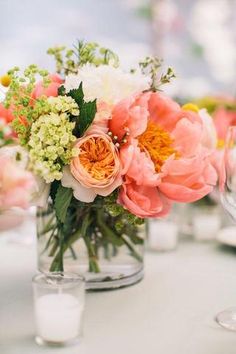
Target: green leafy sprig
<point>87,110</point>
<point>68,60</point>
<point>19,98</point>
<point>151,66</point>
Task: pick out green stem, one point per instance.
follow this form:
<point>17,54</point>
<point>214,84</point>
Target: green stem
<point>49,226</point>
<point>61,250</point>
<point>132,250</point>
<point>67,244</point>
<point>93,261</point>
<point>111,236</point>
<point>54,247</point>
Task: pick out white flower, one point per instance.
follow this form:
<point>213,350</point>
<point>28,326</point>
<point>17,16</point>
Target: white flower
<point>106,83</point>
<point>209,138</point>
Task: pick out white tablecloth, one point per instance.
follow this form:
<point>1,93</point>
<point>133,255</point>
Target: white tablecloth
<point>170,312</point>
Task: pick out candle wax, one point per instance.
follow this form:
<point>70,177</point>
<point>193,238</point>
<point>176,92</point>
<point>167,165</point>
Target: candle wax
<point>58,317</point>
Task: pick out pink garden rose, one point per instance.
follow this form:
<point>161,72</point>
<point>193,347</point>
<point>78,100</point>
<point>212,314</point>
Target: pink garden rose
<point>50,90</point>
<point>168,156</point>
<point>16,185</point>
<point>96,168</point>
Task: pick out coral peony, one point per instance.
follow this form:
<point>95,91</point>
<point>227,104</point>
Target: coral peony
<point>50,90</point>
<point>143,201</point>
<point>96,168</point>
<point>6,114</point>
<point>16,185</point>
<point>223,119</point>
<point>170,153</point>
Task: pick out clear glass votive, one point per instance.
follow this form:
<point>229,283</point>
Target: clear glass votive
<point>58,305</point>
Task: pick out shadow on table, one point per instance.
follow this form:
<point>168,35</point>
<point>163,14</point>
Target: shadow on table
<point>229,250</point>
<point>27,345</point>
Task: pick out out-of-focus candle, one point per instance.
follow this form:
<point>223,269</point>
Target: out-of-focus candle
<point>58,317</point>
<point>206,226</point>
<point>162,235</point>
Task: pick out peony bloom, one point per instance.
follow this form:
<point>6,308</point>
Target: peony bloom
<point>143,201</point>
<point>50,90</point>
<point>96,168</point>
<point>106,83</point>
<point>6,114</point>
<point>209,138</point>
<point>223,119</point>
<point>16,185</point>
<point>168,156</point>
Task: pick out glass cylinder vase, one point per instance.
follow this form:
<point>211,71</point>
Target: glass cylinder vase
<point>106,250</point>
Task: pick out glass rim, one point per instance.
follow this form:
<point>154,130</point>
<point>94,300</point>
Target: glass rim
<point>73,279</point>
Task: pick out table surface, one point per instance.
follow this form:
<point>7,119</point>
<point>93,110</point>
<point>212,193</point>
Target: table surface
<point>170,312</point>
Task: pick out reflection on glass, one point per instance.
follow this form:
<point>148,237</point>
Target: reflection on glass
<point>227,318</point>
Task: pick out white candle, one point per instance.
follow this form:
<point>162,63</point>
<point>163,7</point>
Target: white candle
<point>206,226</point>
<point>58,317</point>
<point>162,235</point>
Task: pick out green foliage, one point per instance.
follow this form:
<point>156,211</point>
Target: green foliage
<point>167,77</point>
<point>86,117</point>
<point>151,66</point>
<point>19,96</point>
<point>145,11</point>
<point>69,60</point>
<point>62,202</point>
<point>77,95</point>
<point>212,103</point>
<point>87,111</point>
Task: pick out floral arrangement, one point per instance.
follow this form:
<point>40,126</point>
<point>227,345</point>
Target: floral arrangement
<point>105,146</point>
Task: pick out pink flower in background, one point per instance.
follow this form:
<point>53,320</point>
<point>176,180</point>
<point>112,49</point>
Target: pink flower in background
<point>223,119</point>
<point>6,114</point>
<point>167,157</point>
<point>50,90</point>
<point>16,185</point>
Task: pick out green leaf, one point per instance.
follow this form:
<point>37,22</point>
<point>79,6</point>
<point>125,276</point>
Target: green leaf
<point>87,115</point>
<point>87,111</point>
<point>61,91</point>
<point>77,95</point>
<point>62,202</point>
<point>53,189</point>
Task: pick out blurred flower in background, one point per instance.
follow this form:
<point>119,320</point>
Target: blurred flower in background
<point>197,37</point>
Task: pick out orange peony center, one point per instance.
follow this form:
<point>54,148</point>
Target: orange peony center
<point>158,143</point>
<point>97,158</point>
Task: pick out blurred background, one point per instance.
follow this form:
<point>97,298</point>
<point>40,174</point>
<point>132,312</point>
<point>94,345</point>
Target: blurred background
<point>196,37</point>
